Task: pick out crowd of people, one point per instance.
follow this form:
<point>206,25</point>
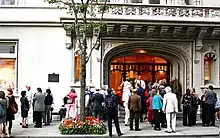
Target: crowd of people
<point>158,103</point>
<point>40,103</point>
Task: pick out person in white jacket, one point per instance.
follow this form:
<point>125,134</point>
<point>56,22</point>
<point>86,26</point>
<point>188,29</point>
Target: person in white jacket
<point>170,107</point>
<point>125,97</point>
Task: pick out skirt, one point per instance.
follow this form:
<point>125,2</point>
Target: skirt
<point>3,119</point>
<point>24,114</point>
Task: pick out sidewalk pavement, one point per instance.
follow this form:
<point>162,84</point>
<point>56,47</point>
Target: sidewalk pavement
<point>147,131</point>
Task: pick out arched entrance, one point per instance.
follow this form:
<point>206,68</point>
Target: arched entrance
<point>178,59</point>
<point>150,68</point>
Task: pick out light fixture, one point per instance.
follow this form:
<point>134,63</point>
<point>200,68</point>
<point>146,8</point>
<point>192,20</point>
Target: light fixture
<point>141,51</point>
<point>161,71</point>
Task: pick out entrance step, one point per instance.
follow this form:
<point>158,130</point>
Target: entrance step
<point>122,114</point>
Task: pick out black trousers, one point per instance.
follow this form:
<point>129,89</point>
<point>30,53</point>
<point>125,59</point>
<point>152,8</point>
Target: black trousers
<point>34,117</point>
<point>39,117</point>
<point>203,114</point>
<point>115,118</point>
<point>134,117</point>
<point>163,119</point>
<point>179,101</point>
<point>142,111</point>
<point>9,123</point>
<point>186,116</point>
<point>157,119</point>
<point>193,115</point>
<point>210,114</point>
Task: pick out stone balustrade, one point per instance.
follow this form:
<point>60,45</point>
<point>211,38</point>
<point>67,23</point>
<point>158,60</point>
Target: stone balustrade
<point>157,12</point>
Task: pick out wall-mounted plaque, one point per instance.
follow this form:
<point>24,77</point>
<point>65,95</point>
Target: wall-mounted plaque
<point>53,77</point>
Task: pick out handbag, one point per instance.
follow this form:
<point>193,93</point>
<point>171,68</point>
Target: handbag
<point>217,105</point>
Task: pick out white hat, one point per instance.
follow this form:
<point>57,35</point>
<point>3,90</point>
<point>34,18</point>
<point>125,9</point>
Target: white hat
<point>168,89</point>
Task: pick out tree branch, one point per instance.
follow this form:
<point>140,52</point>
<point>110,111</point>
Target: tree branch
<point>101,21</point>
<point>76,24</point>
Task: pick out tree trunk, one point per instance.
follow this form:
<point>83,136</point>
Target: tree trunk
<point>83,78</point>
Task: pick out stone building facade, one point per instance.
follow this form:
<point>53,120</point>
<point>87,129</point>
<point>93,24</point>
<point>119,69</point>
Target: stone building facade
<point>35,40</point>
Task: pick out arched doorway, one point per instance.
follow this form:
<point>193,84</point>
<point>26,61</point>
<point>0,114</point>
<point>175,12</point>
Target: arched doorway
<point>178,59</point>
<point>150,68</point>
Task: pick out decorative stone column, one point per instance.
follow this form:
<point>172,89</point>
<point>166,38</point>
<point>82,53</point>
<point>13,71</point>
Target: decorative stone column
<point>198,65</point>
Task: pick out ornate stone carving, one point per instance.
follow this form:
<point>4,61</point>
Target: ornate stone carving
<point>123,30</point>
<point>215,32</point>
<point>150,30</point>
<point>154,10</point>
<point>199,44</point>
<point>203,31</point>
<point>177,30</point>
<point>190,31</point>
<point>164,30</point>
<point>110,29</point>
<point>137,29</point>
<point>107,46</point>
<point>184,46</point>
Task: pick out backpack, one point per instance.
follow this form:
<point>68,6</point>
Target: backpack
<point>2,111</point>
<point>111,102</point>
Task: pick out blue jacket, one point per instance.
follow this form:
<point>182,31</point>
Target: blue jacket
<point>157,103</point>
<point>141,93</point>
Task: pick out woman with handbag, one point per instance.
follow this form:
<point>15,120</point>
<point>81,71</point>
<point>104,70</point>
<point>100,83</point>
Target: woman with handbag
<point>72,104</point>
<point>12,110</point>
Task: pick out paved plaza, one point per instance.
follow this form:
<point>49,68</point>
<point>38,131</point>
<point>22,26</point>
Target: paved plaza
<point>147,131</point>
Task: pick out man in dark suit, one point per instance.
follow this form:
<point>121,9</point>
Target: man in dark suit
<point>134,105</point>
<point>141,93</point>
<point>98,100</point>
<point>111,103</point>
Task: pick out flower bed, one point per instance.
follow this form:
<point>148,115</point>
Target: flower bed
<point>73,126</point>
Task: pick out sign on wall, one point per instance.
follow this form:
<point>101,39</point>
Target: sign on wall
<point>53,77</point>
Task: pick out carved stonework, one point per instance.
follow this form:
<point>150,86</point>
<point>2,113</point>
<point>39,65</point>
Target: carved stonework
<point>203,32</point>
<point>150,30</point>
<point>164,30</point>
<point>110,29</point>
<point>177,31</point>
<point>123,30</point>
<point>185,51</point>
<point>190,30</point>
<point>137,29</point>
<point>166,11</point>
<point>215,32</point>
<point>107,46</point>
<point>199,44</point>
<point>185,46</point>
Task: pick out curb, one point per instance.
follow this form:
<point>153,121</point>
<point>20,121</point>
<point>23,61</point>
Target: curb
<point>106,136</point>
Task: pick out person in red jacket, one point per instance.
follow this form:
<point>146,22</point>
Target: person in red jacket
<point>150,110</point>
